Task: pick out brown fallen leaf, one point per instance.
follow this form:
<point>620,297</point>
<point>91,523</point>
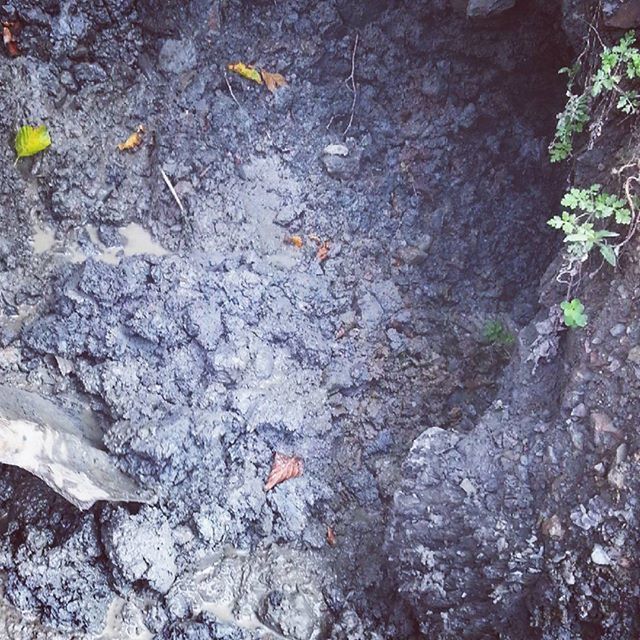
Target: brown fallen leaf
<point>283,468</point>
<point>9,32</point>
<point>273,81</point>
<point>133,141</point>
<point>323,251</point>
<point>246,71</point>
<point>331,536</point>
<point>295,241</point>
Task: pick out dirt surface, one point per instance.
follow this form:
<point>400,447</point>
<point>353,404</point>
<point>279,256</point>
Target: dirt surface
<point>205,343</point>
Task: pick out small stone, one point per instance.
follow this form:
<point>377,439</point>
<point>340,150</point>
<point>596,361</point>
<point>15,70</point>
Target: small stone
<point>602,423</point>
<point>599,556</point>
<point>468,487</point>
<point>485,8</point>
<point>634,354</point>
<point>336,150</point>
<point>617,330</point>
<point>599,469</point>
<point>579,411</point>
<point>552,527</point>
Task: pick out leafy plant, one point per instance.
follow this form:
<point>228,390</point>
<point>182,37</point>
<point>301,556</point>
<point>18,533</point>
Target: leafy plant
<point>496,333</point>
<point>584,209</point>
<point>31,140</point>
<point>617,64</point>
<point>573,313</point>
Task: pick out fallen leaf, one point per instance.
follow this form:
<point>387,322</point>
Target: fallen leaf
<point>283,468</point>
<point>323,251</point>
<point>31,140</point>
<point>331,536</point>
<point>9,32</point>
<point>273,81</point>
<point>246,71</point>
<point>133,141</point>
<point>295,241</point>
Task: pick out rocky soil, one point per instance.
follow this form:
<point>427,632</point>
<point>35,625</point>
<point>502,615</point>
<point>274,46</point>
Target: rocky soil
<point>449,489</point>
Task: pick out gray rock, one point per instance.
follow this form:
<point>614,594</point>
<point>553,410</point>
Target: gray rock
<point>621,14</point>
<point>140,547</point>
<point>485,8</point>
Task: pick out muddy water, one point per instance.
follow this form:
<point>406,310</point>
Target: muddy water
<point>136,241</point>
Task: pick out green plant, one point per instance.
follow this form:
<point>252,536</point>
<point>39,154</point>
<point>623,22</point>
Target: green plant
<point>573,313</point>
<point>496,333</point>
<point>585,208</point>
<point>617,64</point>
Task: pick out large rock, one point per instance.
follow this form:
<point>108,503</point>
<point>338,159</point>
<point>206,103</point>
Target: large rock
<point>620,14</point>
<point>485,8</point>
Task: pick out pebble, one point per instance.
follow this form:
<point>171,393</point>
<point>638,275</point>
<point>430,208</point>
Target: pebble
<point>579,411</point>
<point>336,150</point>
<point>634,354</point>
<point>599,556</point>
<point>617,330</point>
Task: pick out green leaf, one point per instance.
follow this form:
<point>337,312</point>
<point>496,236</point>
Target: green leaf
<point>31,140</point>
<point>574,315</point>
<point>608,254</point>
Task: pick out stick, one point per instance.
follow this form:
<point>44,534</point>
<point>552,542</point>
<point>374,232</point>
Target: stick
<point>352,79</point>
<point>172,189</point>
<point>233,95</point>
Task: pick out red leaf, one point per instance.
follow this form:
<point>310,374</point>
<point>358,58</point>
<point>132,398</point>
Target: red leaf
<point>283,468</point>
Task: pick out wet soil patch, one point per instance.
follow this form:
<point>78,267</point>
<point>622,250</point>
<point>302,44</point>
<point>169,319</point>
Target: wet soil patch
<point>205,343</point>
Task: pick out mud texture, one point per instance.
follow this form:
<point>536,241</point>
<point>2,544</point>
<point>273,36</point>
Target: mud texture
<point>211,344</point>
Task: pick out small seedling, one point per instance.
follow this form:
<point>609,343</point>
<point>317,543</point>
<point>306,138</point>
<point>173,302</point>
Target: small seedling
<point>31,140</point>
<point>496,333</point>
<point>574,315</point>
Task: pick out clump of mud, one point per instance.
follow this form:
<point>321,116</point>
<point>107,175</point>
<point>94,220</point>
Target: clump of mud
<point>205,343</point>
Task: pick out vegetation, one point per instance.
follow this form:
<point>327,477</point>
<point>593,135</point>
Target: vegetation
<point>585,211</point>
<point>618,65</point>
<point>497,334</point>
<point>573,313</point>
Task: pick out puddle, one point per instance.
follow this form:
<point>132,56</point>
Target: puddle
<point>137,241</point>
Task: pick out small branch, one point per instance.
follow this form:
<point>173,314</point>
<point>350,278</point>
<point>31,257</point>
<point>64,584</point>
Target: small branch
<point>233,95</point>
<point>172,189</point>
<point>352,80</point>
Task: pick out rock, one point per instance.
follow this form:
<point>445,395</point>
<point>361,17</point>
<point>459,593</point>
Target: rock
<point>552,527</point>
<point>634,354</point>
<point>579,411</point>
<point>620,14</point>
<point>485,8</point>
<point>617,330</point>
<point>336,150</point>
<point>599,556</point>
<point>140,547</point>
<point>341,166</point>
<point>177,56</point>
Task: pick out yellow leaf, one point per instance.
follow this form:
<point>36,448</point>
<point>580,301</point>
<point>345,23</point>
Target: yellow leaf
<point>133,141</point>
<point>246,71</point>
<point>273,81</point>
<point>31,140</point>
<point>295,241</point>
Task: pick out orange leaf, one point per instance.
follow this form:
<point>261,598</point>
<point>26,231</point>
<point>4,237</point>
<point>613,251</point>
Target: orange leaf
<point>331,536</point>
<point>295,241</point>
<point>273,81</point>
<point>246,71</point>
<point>283,468</point>
<point>323,251</point>
<point>133,141</point>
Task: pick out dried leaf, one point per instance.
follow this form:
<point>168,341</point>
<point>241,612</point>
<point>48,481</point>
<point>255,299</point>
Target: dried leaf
<point>273,81</point>
<point>323,251</point>
<point>9,32</point>
<point>246,71</point>
<point>31,140</point>
<point>133,141</point>
<point>331,536</point>
<point>295,241</point>
<point>284,468</point>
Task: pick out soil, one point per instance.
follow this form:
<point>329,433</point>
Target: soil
<point>411,143</point>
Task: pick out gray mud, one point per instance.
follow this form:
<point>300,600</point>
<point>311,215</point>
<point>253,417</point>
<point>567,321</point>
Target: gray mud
<point>205,343</point>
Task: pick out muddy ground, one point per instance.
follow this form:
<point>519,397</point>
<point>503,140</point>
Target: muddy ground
<point>204,341</point>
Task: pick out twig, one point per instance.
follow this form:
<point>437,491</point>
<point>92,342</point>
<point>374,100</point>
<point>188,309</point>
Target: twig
<point>233,95</point>
<point>172,189</point>
<point>352,80</point>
